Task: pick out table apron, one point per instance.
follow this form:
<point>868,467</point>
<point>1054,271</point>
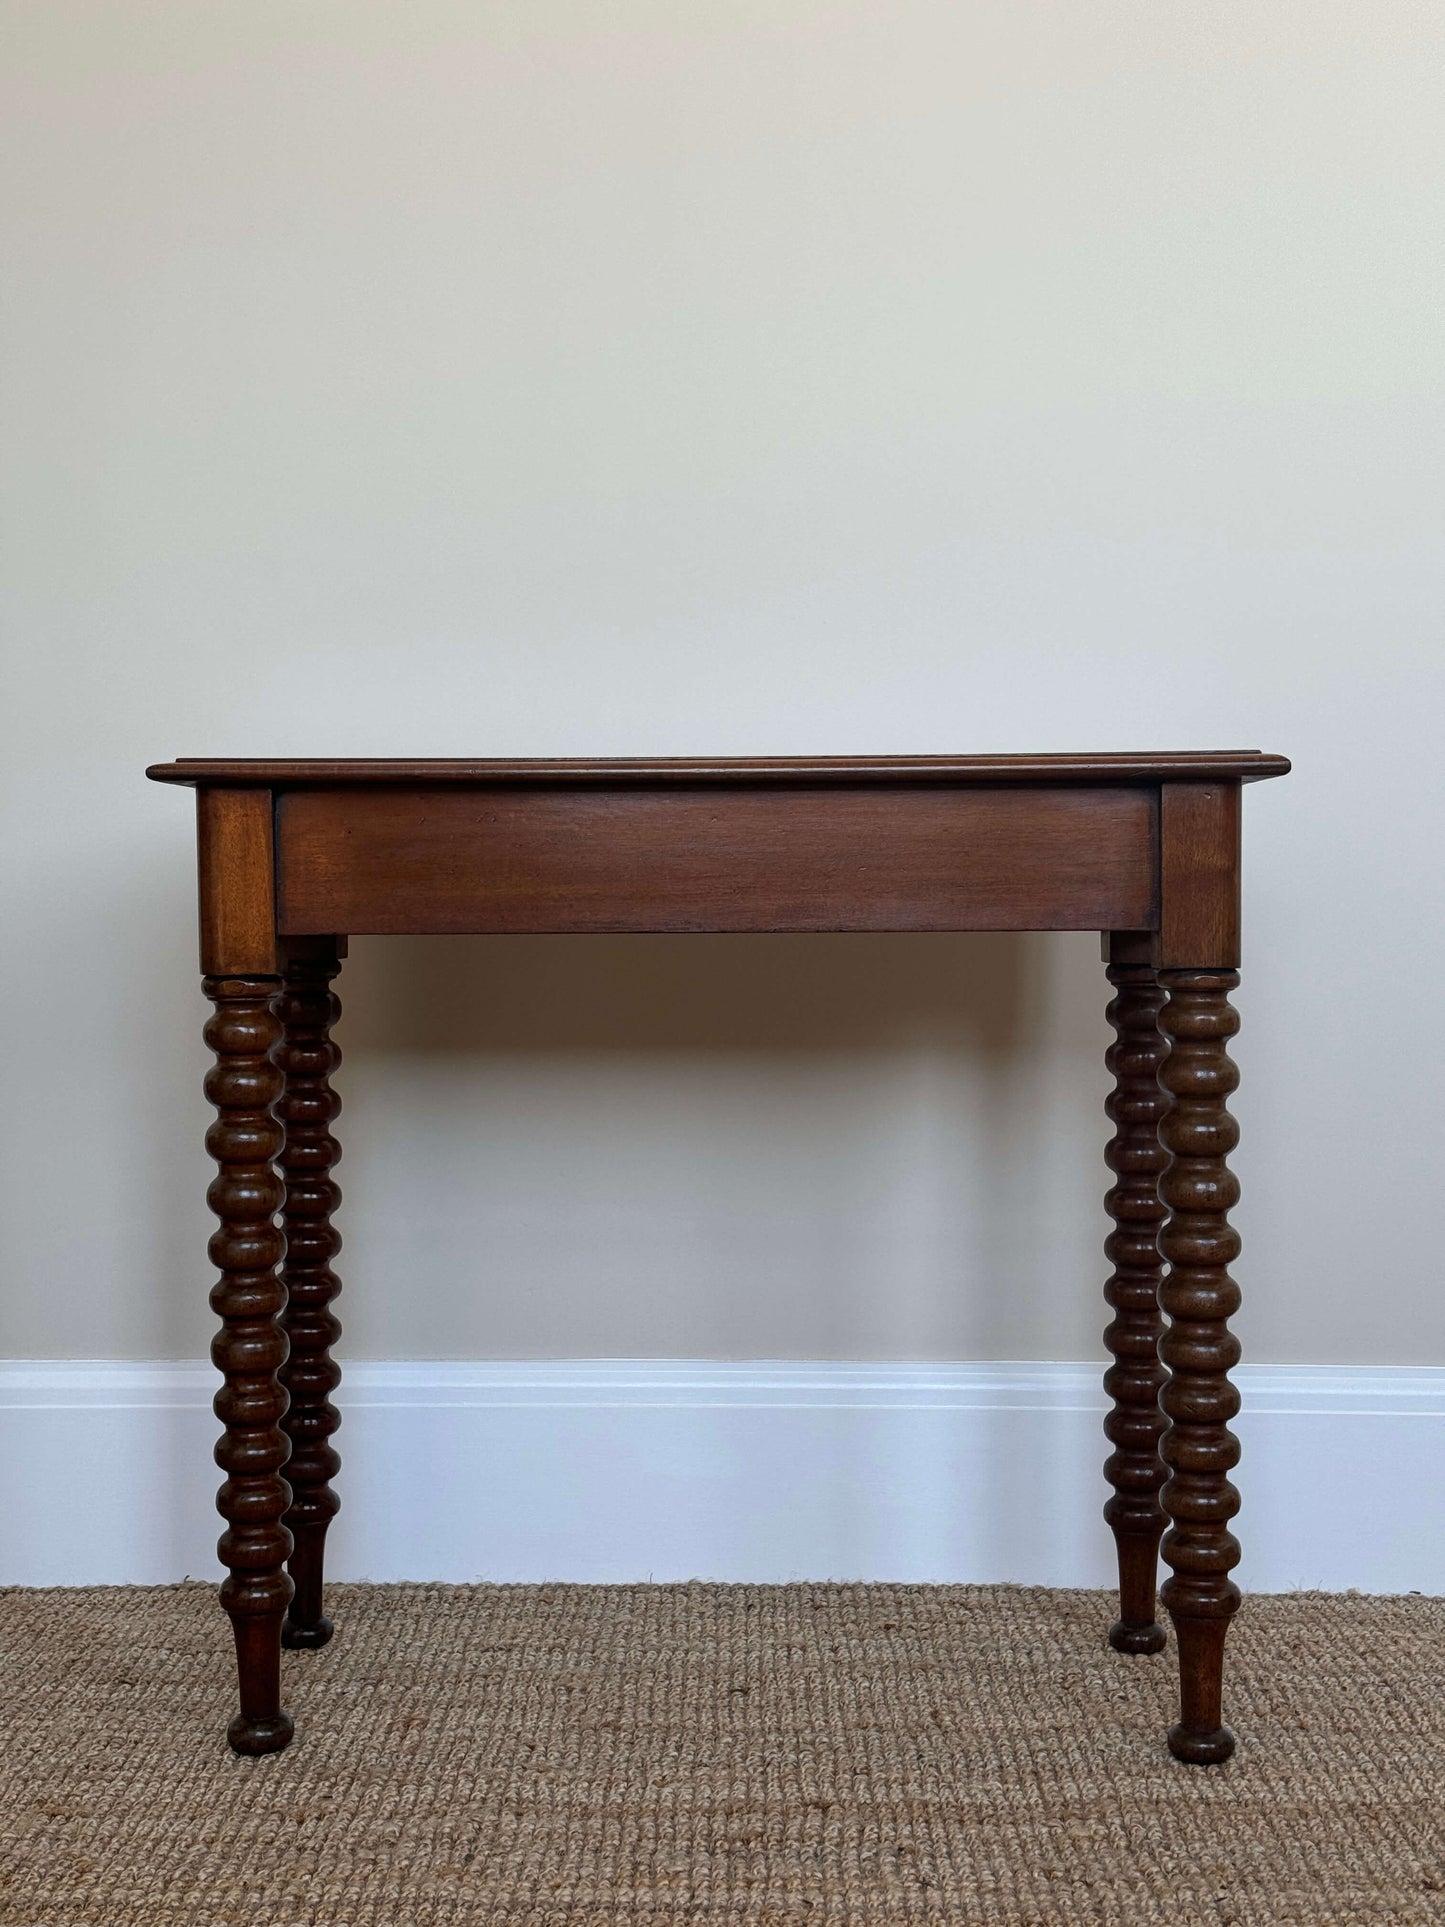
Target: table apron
<point>390,861</point>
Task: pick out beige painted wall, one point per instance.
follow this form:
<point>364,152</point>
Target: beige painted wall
<point>724,376</point>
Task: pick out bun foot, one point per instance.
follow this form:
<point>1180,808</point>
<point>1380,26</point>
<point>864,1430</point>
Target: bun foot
<point>306,1639</point>
<point>1137,1639</point>
<point>260,1736</point>
<point>1210,1748</point>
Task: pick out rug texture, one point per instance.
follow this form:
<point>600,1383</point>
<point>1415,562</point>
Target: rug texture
<point>789,1755</point>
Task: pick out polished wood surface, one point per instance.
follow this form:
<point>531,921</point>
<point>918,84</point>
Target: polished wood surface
<point>1200,765</point>
<point>1199,1296</point>
<point>235,843</point>
<point>1143,847</point>
<point>1199,851</point>
<point>307,1057</point>
<point>1133,1382</point>
<point>452,862</point>
<point>250,1348</point>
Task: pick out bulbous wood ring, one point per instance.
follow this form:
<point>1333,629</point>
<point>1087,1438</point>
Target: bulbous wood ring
<point>1135,1422</point>
<point>250,1348</point>
<point>1199,1296</point>
<point>306,1057</point>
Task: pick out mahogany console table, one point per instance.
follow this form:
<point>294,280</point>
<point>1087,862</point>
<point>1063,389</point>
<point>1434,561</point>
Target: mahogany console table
<point>296,856</point>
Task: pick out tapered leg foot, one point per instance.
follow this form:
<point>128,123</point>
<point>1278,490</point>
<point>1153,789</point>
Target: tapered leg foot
<point>1199,1296</point>
<point>306,1057</point>
<point>261,1726</point>
<point>1136,1630</point>
<point>306,1627</point>
<point>1135,1423</point>
<point>1201,1738</point>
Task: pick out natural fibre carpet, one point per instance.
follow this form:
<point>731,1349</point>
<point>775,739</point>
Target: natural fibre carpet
<point>721,1754</point>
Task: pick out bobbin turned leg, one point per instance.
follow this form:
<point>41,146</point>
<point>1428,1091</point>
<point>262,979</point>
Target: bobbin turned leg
<point>1199,1295</point>
<point>250,1348</point>
<point>306,1057</point>
<point>1135,1424</point>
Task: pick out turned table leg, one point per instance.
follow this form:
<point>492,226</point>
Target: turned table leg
<point>1199,1296</point>
<point>1135,1424</point>
<point>306,1058</point>
<point>250,1348</point>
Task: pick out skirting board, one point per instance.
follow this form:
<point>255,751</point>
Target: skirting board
<point>670,1469</point>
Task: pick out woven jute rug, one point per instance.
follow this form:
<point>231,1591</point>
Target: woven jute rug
<point>738,1754</point>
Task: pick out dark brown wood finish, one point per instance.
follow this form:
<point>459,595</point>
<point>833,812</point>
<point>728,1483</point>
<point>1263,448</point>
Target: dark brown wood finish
<point>389,861</point>
<point>1135,1423</point>
<point>307,1056</point>
<point>1133,767</point>
<point>250,1348</point>
<point>1142,847</point>
<point>237,863</point>
<point>1199,865</point>
<point>1199,1296</point>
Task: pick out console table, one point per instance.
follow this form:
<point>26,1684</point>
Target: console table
<point>296,856</point>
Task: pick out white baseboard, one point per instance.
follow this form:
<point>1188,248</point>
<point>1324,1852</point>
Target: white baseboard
<point>672,1469</point>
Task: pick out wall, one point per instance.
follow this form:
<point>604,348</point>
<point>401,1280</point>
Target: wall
<point>547,378</point>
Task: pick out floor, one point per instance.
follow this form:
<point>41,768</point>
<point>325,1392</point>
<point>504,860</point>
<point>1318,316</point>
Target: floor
<point>716,1754</point>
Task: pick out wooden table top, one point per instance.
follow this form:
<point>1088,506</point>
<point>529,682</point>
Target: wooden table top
<point>1190,765</point>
